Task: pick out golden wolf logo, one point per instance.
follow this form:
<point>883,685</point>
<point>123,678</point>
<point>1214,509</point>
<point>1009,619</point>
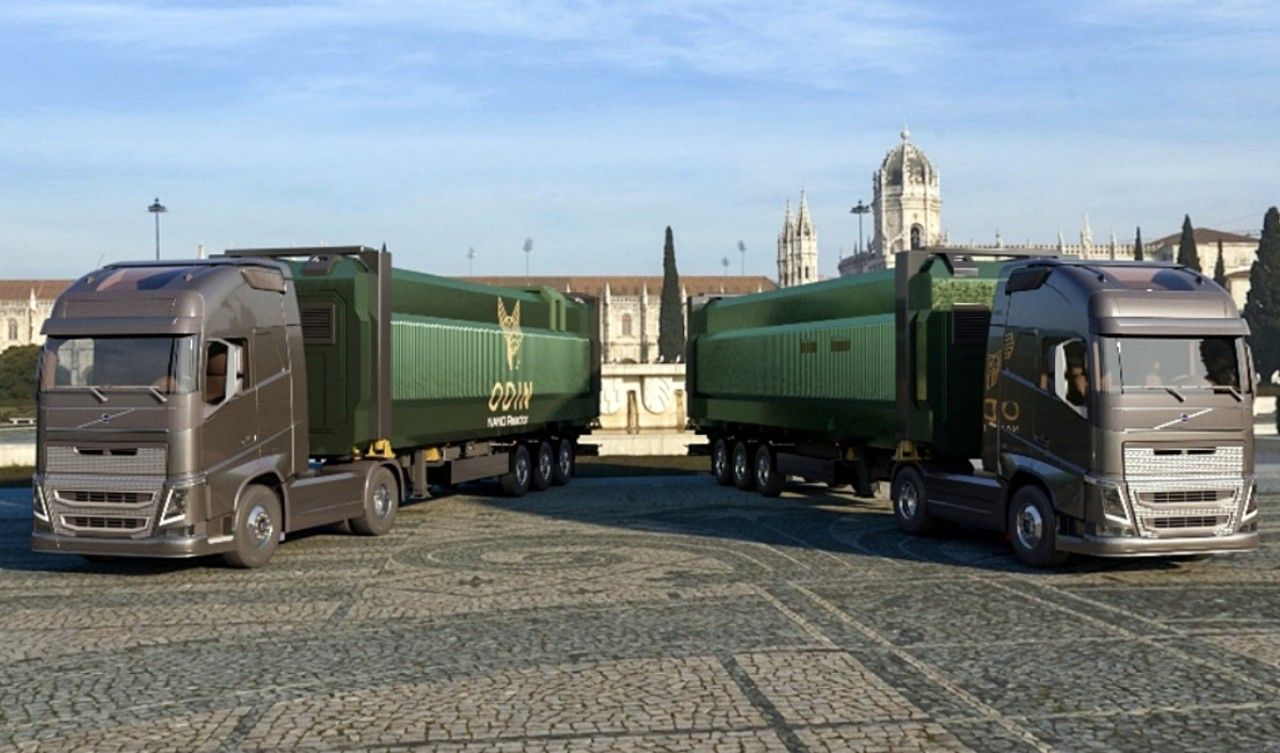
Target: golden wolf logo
<point>510,324</point>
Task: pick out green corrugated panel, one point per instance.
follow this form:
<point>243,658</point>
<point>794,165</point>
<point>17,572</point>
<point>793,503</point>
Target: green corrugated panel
<point>798,361</point>
<point>442,359</point>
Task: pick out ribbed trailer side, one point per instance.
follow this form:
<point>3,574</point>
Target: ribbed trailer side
<point>820,361</point>
<point>467,362</point>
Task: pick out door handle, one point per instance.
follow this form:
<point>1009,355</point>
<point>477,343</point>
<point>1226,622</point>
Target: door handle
<point>248,440</point>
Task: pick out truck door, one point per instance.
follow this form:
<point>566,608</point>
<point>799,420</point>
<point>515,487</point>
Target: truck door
<point>229,430</point>
<point>1018,395</point>
<point>1062,411</point>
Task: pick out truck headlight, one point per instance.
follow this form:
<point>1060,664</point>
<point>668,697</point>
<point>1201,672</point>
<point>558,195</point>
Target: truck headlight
<point>1250,503</point>
<point>38,507</point>
<point>1115,505</point>
<point>176,503</point>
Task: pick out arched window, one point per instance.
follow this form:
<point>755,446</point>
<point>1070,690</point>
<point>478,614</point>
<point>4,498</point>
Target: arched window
<point>13,329</point>
<point>915,237</point>
<point>626,325</point>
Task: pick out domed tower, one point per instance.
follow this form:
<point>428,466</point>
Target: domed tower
<point>906,202</point>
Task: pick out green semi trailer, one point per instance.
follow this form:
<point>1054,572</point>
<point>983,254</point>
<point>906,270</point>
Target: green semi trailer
<point>201,407</point>
<point>1084,406</point>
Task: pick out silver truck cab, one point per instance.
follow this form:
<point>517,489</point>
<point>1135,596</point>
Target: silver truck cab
<point>1124,391</point>
<point>154,417</point>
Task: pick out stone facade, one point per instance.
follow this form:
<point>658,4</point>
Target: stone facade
<point>1238,255</point>
<point>24,306</point>
<point>628,306</point>
<point>643,410</point>
<point>797,248</point>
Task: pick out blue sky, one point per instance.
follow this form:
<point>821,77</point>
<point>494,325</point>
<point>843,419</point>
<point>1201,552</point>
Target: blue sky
<point>590,125</point>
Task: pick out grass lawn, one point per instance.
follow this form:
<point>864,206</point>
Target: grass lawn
<point>16,475</point>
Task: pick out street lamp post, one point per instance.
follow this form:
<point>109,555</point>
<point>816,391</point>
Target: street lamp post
<point>528,249</point>
<point>860,210</point>
<point>471,261</point>
<point>742,251</point>
<point>157,209</point>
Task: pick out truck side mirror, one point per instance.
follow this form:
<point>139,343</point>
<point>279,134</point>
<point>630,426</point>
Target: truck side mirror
<point>235,370</point>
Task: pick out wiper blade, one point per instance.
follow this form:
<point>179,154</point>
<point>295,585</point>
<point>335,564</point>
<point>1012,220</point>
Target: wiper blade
<point>158,394</point>
<point>1173,391</point>
<point>102,397</point>
<point>1232,391</point>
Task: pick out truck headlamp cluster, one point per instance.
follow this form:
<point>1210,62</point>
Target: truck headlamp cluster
<point>1115,505</point>
<point>177,501</point>
<point>38,507</point>
<point>1250,503</point>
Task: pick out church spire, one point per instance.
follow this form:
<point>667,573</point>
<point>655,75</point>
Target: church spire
<point>805,223</point>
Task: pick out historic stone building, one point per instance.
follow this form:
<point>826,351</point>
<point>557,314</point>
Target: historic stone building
<point>797,248</point>
<point>628,306</point>
<point>906,207</point>
<point>24,305</point>
<point>1238,255</point>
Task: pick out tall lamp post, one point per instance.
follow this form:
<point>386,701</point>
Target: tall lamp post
<point>157,209</point>
<point>742,251</point>
<point>471,261</point>
<point>528,249</point>
<point>860,210</point>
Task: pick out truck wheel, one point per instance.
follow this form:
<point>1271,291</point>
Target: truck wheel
<point>544,469</point>
<point>768,480</point>
<point>381,499</point>
<point>515,482</point>
<point>257,528</point>
<point>743,476</point>
<point>564,463</point>
<point>721,463</point>
<point>1033,528</point>
<point>909,507</point>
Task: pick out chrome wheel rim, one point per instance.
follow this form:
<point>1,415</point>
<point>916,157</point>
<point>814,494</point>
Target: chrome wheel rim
<point>382,501</point>
<point>1030,527</point>
<point>740,464</point>
<point>566,460</point>
<point>720,460</point>
<point>544,463</point>
<point>762,470</point>
<point>260,526</point>
<point>522,470</point>
<point>908,500</point>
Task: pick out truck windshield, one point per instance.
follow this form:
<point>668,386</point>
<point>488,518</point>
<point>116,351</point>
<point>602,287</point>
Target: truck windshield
<point>166,364</point>
<point>1183,364</point>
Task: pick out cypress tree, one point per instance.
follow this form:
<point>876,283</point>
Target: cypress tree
<point>671,313</point>
<point>1220,269</point>
<point>1262,307</point>
<point>1137,245</point>
<point>1187,255</point>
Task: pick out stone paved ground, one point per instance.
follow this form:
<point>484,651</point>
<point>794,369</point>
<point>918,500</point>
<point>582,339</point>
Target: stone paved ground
<point>664,614</point>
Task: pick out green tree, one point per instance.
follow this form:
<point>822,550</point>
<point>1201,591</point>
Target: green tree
<point>1187,255</point>
<point>671,314</point>
<point>1262,307</point>
<point>1137,245</point>
<point>1220,269</point>
<point>18,372</point>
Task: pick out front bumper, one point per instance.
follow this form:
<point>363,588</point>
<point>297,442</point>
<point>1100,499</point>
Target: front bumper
<point>1135,546</point>
<point>190,546</point>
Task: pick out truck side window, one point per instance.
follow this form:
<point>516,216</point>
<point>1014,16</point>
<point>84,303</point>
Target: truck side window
<point>268,354</point>
<point>1063,371</point>
<point>215,373</point>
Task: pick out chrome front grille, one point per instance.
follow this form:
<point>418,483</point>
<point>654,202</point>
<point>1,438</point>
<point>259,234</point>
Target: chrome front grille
<point>106,461</point>
<point>1225,461</point>
<point>103,505</point>
<point>1185,491</point>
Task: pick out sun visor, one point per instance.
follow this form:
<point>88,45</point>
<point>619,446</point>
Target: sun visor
<point>123,325</point>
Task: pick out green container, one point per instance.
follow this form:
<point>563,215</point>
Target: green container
<point>462,361</point>
<point>820,361</point>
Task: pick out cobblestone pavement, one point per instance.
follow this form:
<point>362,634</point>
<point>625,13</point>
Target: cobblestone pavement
<point>664,614</point>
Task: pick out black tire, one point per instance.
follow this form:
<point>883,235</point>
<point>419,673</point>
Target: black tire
<point>566,459</point>
<point>744,476</point>
<point>381,500</point>
<point>910,506</point>
<point>515,482</point>
<point>257,528</point>
<point>544,467</point>
<point>768,481</point>
<point>722,462</point>
<point>1033,528</point>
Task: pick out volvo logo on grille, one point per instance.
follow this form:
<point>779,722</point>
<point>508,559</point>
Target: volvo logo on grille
<point>105,418</point>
